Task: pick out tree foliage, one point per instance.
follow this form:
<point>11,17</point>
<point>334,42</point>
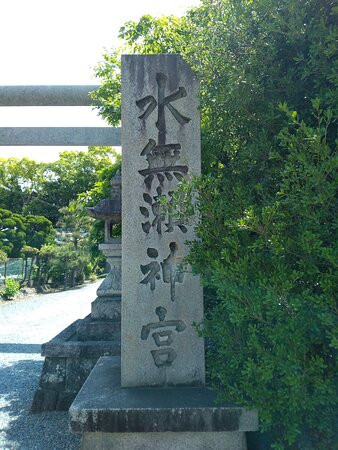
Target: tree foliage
<point>31,188</point>
<point>74,224</point>
<point>20,183</point>
<point>36,196</point>
<point>16,231</point>
<point>39,231</point>
<point>28,252</point>
<point>266,250</point>
<point>273,269</point>
<point>101,190</point>
<point>12,233</point>
<point>70,254</point>
<point>3,257</point>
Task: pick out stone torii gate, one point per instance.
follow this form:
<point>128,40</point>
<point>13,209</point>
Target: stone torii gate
<point>75,95</point>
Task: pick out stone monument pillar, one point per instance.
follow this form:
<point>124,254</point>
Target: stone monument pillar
<point>161,298</point>
<point>154,398</point>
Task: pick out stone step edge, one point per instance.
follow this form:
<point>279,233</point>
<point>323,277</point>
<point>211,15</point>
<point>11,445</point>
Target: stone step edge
<point>103,406</point>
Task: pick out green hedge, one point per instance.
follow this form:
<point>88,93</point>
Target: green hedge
<point>266,250</point>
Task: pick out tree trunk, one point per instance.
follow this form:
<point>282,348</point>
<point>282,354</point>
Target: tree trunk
<point>46,269</point>
<point>73,275</point>
<point>38,271</point>
<point>65,281</point>
<point>30,271</point>
<point>25,272</point>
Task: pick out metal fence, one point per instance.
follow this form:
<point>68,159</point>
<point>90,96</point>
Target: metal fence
<point>14,268</point>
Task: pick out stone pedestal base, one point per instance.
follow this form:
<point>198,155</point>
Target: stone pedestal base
<point>67,364</point>
<point>227,440</point>
<point>71,355</point>
<point>111,417</point>
<point>107,308</point>
<point>98,330</point>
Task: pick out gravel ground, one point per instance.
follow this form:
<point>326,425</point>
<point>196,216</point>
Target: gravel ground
<point>24,326</point>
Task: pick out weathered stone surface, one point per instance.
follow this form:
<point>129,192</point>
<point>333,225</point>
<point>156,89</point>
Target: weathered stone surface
<point>161,300</point>
<point>98,330</point>
<point>229,440</point>
<point>87,349</point>
<point>44,400</point>
<point>59,136</point>
<point>53,374</point>
<point>51,400</point>
<point>64,400</point>
<point>106,308</point>
<point>103,406</point>
<point>111,285</point>
<point>44,95</point>
<point>65,344</point>
<point>78,370</point>
<point>67,365</point>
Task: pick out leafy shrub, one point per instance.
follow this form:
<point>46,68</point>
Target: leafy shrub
<point>3,257</point>
<point>273,327</point>
<point>93,277</point>
<point>266,250</point>
<point>268,232</point>
<point>11,288</point>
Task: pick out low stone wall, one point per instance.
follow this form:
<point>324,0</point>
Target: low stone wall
<point>67,365</point>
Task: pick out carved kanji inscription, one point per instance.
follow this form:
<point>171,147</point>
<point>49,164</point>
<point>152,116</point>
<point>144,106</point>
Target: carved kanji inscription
<point>163,356</point>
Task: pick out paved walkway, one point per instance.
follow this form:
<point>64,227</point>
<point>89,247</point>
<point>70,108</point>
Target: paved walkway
<point>24,326</point>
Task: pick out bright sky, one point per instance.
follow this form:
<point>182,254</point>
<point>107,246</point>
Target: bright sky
<point>59,42</point>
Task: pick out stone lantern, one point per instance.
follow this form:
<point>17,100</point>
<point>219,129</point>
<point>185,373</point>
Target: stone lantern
<point>109,292</point>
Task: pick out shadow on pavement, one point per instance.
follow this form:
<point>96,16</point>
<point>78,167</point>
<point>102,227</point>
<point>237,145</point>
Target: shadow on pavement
<point>19,428</point>
<point>20,348</point>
